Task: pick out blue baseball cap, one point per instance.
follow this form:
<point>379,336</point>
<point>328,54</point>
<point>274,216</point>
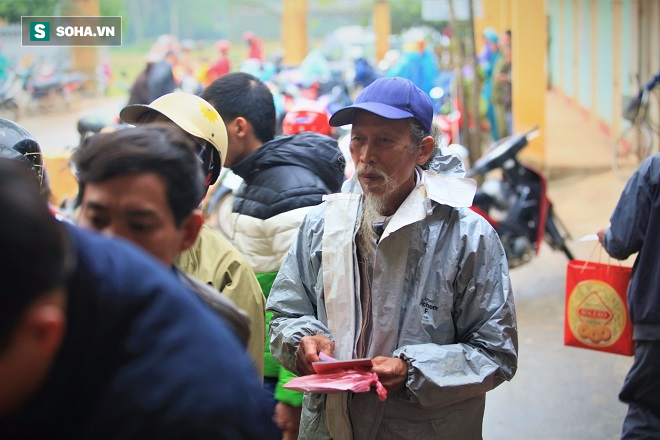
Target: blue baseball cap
<point>491,35</point>
<point>391,98</point>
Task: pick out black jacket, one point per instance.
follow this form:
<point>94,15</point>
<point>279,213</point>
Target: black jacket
<point>287,173</point>
<point>635,227</point>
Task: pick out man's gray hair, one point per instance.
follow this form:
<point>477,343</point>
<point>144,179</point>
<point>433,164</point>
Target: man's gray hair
<point>418,133</point>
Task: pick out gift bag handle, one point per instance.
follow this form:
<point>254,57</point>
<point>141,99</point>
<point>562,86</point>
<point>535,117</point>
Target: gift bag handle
<point>600,257</point>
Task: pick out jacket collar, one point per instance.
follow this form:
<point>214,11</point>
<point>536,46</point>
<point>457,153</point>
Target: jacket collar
<point>457,192</point>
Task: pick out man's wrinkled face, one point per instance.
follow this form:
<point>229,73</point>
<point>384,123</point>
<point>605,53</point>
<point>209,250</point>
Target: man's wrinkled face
<point>384,158</point>
<point>134,207</point>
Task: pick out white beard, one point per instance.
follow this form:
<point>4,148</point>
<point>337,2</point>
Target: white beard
<point>372,208</point>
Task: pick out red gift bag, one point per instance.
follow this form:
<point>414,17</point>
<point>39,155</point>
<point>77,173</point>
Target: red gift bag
<point>596,313</point>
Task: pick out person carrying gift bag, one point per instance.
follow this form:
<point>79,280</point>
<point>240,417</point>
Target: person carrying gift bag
<point>635,227</point>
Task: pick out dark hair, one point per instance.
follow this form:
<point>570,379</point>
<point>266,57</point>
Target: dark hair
<point>158,148</point>
<point>33,246</point>
<point>241,94</point>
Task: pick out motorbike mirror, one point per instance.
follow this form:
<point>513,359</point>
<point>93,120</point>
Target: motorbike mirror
<point>503,150</point>
<point>436,93</point>
<point>533,134</point>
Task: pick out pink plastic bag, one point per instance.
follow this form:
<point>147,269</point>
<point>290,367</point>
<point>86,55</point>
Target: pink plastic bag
<point>358,380</point>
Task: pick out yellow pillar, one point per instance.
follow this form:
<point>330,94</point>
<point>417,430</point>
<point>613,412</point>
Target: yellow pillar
<point>382,28</point>
<point>84,58</point>
<point>491,11</point>
<point>294,31</point>
<point>504,16</point>
<point>528,82</point>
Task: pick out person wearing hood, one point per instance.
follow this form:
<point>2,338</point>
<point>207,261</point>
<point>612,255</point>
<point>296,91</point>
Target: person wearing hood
<point>283,178</point>
<point>396,268</point>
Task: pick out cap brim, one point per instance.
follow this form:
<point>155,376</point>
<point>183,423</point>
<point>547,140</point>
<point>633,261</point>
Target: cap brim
<point>131,114</point>
<point>345,115</point>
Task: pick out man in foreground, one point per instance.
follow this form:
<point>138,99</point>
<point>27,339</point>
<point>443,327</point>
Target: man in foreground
<point>98,340</point>
<point>396,268</point>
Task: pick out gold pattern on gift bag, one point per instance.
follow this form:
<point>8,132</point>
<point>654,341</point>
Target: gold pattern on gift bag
<point>596,313</point>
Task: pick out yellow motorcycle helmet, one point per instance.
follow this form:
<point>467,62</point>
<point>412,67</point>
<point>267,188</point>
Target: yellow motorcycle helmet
<point>195,116</point>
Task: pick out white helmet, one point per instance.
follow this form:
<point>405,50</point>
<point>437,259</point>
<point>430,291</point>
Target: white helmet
<point>192,114</point>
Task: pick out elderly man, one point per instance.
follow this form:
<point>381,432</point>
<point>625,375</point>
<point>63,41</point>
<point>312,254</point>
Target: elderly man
<point>396,268</point>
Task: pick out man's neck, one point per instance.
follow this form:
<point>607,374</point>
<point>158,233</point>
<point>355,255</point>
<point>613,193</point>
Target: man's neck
<point>252,145</point>
<point>393,204</point>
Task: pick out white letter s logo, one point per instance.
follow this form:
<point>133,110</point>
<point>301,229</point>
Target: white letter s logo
<point>39,31</point>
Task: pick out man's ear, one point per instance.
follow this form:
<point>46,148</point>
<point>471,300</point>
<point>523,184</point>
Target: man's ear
<point>190,228</point>
<point>239,127</point>
<point>425,150</point>
<point>44,324</point>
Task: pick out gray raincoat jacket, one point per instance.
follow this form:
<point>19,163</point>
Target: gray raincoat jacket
<point>441,301</point>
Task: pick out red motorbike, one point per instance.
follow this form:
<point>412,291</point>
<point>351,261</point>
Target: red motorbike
<point>517,204</point>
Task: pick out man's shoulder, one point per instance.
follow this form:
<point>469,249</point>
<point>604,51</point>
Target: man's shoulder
<point>466,215</point>
<point>210,246</point>
<point>316,214</point>
<point>221,305</point>
<point>300,144</point>
<point>214,259</point>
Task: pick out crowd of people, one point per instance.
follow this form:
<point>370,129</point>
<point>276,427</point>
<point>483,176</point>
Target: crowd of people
<point>184,66</point>
<point>132,319</point>
<point>305,250</point>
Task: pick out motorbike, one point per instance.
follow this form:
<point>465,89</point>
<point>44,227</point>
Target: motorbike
<point>49,88</point>
<point>9,89</point>
<point>517,204</point>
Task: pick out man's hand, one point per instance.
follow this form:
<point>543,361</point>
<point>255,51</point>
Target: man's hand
<point>601,234</point>
<point>287,418</point>
<point>392,372</point>
<point>308,352</point>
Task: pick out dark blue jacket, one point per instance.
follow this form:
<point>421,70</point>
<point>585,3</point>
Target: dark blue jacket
<point>635,227</point>
<point>142,358</point>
